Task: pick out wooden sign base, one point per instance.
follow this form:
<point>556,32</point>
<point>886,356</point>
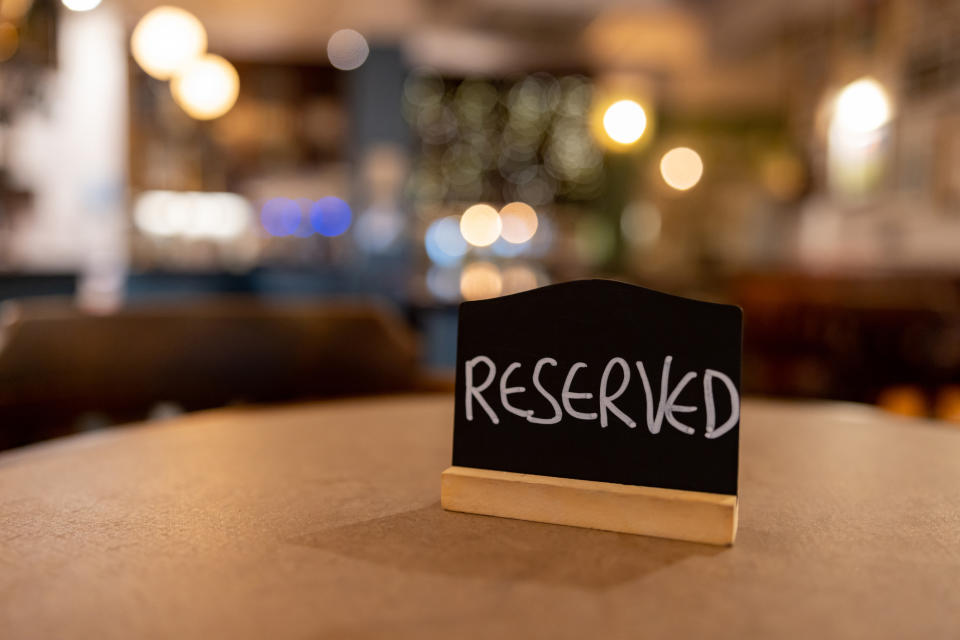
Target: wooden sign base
<point>665,513</point>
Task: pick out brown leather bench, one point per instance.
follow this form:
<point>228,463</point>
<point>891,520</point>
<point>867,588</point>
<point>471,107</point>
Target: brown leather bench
<point>58,364</point>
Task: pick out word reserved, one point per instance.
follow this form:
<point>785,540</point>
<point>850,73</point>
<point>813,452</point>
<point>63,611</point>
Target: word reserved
<point>604,408</point>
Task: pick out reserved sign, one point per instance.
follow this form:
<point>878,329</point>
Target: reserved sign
<point>604,381</point>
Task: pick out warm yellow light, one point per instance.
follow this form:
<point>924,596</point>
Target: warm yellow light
<point>207,88</point>
<point>519,222</point>
<point>861,107</point>
<point>9,40</point>
<point>14,10</point>
<point>166,40</point>
<point>518,278</point>
<point>681,168</point>
<point>480,225</point>
<point>625,121</point>
<point>81,5</point>
<point>480,280</point>
<point>858,140</point>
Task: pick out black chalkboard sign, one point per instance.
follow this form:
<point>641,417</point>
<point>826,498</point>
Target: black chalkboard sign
<point>604,381</point>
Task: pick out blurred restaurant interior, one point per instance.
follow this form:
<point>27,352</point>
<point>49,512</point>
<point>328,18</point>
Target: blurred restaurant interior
<point>232,201</point>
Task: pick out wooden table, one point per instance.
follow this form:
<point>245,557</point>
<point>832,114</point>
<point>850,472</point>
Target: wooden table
<point>323,521</point>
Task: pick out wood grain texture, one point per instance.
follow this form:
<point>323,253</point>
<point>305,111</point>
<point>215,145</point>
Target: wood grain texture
<point>322,521</point>
<point>709,518</point>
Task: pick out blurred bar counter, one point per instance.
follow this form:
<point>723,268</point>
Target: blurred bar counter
<point>869,337</point>
<point>879,338</point>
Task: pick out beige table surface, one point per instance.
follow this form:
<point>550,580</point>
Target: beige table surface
<point>323,521</point>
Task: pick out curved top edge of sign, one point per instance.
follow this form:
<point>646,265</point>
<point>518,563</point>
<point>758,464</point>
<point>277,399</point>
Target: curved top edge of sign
<point>601,282</point>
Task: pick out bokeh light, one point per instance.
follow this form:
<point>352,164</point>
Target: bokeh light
<point>443,242</point>
<point>517,278</point>
<point>424,87</point>
<point>474,103</point>
<point>906,400</point>
<point>624,121</point>
<point>347,49</point>
<point>543,241</point>
<point>947,406</point>
<point>280,216</point>
<point>304,228</point>
<point>81,5</point>
<point>192,214</point>
<point>858,138</point>
<point>504,249</point>
<point>330,216</point>
<point>152,213</point>
<point>206,88</point>
<point>444,282</point>
<point>14,10</point>
<point>538,190</point>
<point>861,106</point>
<point>480,280</point>
<point>378,229</point>
<point>217,215</point>
<point>480,225</point>
<point>518,221</point>
<point>641,223</point>
<point>166,39</point>
<point>681,168</point>
<point>437,124</point>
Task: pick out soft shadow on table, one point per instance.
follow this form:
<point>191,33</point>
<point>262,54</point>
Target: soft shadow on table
<point>432,540</point>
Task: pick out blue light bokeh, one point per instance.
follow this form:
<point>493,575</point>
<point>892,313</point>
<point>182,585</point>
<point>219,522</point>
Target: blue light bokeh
<point>330,216</point>
<point>280,216</point>
<point>444,244</point>
<point>304,228</point>
<point>505,249</point>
